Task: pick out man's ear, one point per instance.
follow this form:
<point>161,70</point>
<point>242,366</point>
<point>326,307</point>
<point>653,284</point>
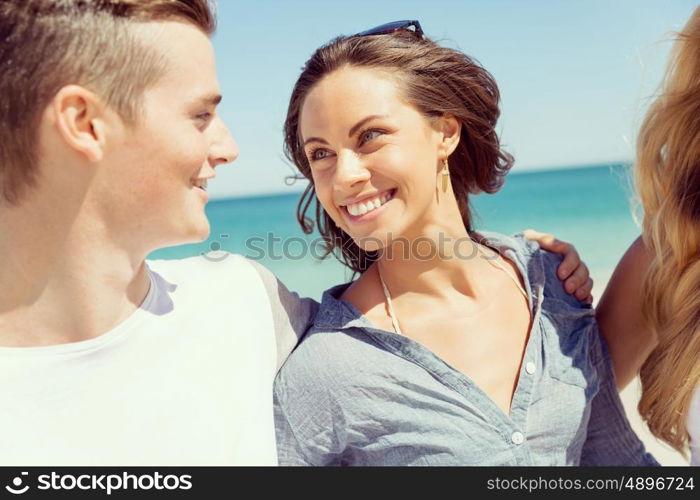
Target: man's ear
<point>79,117</point>
<point>449,129</point>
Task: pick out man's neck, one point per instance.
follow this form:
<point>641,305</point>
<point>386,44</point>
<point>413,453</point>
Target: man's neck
<point>63,277</point>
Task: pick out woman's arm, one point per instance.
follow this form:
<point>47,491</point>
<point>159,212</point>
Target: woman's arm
<point>620,317</point>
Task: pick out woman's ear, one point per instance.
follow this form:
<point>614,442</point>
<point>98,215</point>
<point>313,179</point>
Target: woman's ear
<point>449,128</point>
<point>78,115</point>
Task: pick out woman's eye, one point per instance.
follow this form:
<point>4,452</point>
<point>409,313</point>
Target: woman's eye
<point>319,154</point>
<point>369,135</point>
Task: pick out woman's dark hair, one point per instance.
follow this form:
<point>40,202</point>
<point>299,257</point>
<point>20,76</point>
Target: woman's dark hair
<point>437,81</point>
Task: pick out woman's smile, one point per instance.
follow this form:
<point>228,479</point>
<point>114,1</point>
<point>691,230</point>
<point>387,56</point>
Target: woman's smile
<point>367,207</point>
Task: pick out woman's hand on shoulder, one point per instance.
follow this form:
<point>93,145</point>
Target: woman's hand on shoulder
<point>572,271</point>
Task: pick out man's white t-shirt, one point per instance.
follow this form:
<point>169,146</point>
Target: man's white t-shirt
<point>185,380</point>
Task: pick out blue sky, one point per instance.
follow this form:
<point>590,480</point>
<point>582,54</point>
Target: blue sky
<point>575,76</point>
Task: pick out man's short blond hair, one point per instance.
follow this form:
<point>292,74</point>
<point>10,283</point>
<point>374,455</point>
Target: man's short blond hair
<point>48,44</point>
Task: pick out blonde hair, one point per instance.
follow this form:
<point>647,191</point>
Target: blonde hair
<point>668,181</point>
<point>47,44</point>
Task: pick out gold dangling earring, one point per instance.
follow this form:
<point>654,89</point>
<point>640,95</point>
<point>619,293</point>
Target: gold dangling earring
<point>445,175</point>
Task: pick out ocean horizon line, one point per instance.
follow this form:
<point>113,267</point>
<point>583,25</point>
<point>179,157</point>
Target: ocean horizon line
<point>528,171</point>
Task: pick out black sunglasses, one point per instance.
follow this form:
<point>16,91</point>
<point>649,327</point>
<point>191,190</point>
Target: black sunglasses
<point>387,28</point>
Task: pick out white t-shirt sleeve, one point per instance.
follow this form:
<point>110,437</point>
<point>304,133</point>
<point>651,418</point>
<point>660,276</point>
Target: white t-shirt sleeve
<point>291,315</point>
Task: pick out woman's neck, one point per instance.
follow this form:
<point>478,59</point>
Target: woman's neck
<point>438,261</point>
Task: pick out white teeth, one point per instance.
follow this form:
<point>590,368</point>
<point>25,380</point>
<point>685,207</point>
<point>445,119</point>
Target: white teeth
<point>367,206</point>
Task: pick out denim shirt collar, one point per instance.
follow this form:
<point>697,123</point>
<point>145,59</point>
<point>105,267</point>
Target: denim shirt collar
<point>337,314</point>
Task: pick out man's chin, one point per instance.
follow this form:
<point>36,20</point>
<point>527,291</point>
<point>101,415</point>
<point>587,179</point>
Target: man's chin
<point>194,234</point>
<point>201,234</point>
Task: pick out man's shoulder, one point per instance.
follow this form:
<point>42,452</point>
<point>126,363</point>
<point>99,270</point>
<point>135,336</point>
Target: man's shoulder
<point>233,277</point>
<point>226,271</point>
<point>223,262</point>
<point>230,275</point>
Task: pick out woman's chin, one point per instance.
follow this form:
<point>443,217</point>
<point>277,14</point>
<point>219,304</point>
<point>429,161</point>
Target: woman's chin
<point>373,242</point>
<point>371,247</point>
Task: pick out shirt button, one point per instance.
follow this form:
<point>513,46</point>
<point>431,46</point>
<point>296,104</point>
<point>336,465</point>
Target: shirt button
<point>517,438</point>
<point>530,367</point>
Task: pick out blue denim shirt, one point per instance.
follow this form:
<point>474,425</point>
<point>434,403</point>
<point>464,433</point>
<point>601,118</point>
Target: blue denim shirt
<point>352,394</point>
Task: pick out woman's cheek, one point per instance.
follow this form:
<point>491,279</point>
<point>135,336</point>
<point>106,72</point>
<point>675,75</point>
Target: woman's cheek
<point>324,193</point>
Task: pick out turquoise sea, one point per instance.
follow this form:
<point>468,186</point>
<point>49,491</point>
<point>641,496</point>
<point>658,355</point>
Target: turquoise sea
<point>588,206</point>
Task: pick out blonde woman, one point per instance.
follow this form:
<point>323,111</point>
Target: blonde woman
<point>650,312</point>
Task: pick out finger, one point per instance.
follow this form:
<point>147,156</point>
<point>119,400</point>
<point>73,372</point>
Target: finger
<point>545,240</point>
<point>577,279</point>
<point>584,291</point>
<point>587,287</point>
<point>570,264</point>
<point>589,299</point>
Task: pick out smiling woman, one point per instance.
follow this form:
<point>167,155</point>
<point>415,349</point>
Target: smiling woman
<point>452,347</point>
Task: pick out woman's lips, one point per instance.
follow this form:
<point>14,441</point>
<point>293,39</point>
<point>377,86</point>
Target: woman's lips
<point>367,210</point>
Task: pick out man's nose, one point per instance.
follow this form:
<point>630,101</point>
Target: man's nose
<point>224,148</point>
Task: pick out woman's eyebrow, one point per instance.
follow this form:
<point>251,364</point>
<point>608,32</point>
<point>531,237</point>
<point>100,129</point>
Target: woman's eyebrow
<point>352,132</point>
<point>315,139</point>
<point>359,124</point>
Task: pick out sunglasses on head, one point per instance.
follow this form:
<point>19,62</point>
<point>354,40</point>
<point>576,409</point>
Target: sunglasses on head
<point>385,29</point>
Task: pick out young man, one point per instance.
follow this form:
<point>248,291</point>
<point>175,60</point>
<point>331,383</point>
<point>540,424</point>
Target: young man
<point>108,135</point>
